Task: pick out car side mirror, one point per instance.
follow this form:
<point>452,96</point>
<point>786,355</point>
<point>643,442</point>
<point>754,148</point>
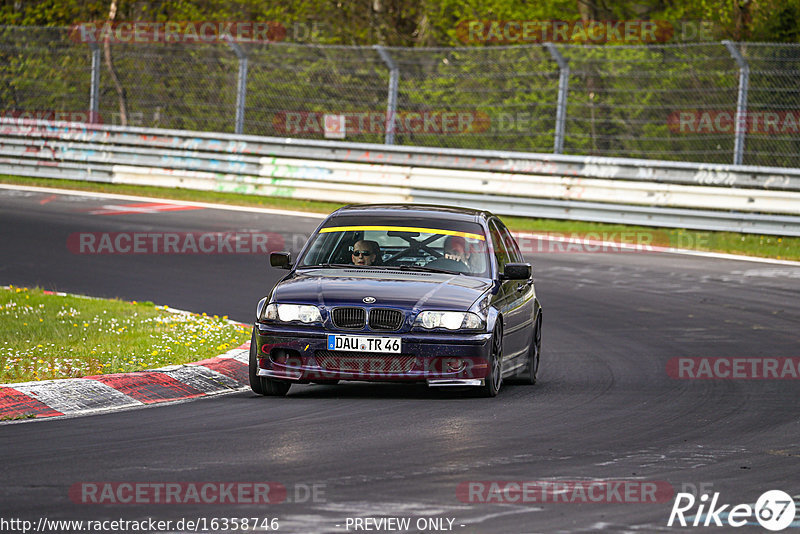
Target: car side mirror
<point>282,260</point>
<point>516,271</point>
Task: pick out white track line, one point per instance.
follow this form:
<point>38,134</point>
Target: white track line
<point>312,215</point>
<point>208,205</point>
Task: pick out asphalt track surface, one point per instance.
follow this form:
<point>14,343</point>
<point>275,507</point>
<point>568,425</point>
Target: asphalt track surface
<point>605,407</point>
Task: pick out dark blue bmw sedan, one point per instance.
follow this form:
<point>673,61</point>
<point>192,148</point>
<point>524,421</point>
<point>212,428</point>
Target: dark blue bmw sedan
<point>418,293</point>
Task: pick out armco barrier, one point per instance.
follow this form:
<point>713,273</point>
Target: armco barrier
<point>644,192</point>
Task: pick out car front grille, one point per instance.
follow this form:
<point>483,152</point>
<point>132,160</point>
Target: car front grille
<point>349,317</point>
<point>385,319</point>
<point>364,362</point>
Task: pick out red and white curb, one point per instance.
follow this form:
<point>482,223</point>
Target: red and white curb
<point>94,394</point>
<point>101,393</point>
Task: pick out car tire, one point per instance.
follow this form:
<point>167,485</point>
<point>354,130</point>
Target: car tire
<point>259,384</point>
<point>528,376</point>
<point>494,377</point>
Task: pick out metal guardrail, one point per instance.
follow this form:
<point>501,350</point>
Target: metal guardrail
<point>614,190</point>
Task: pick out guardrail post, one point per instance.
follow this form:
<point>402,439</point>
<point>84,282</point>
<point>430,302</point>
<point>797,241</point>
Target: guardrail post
<point>741,101</point>
<point>394,80</point>
<point>94,86</point>
<point>241,85</point>
<point>561,105</point>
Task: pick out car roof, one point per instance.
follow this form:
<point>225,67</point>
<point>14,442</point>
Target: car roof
<point>414,210</point>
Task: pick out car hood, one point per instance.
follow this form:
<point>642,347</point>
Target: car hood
<point>398,289</point>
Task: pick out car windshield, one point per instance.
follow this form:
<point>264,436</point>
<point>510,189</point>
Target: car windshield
<point>433,247</point>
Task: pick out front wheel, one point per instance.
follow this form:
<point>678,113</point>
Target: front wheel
<point>259,384</point>
<point>494,378</point>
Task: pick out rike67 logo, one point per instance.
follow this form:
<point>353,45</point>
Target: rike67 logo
<point>774,510</point>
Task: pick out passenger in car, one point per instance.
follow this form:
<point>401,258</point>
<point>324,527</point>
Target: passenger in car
<point>366,252</point>
<point>455,248</point>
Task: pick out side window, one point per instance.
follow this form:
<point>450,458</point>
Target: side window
<point>344,249</point>
<point>514,254</point>
<point>500,251</point>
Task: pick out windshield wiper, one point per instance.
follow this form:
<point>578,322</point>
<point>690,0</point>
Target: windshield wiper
<point>327,265</point>
<point>404,267</point>
<point>423,268</point>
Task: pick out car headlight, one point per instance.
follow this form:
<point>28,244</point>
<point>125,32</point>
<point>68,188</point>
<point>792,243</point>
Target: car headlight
<point>260,309</point>
<point>449,320</point>
<point>292,312</point>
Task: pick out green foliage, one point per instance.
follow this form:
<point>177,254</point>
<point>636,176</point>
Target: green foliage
<point>419,22</point>
<point>620,99</point>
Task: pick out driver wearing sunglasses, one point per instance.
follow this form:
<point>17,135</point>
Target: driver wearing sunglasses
<point>366,253</point>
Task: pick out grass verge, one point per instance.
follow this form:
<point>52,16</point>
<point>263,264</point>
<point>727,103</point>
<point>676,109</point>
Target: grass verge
<point>786,248</point>
<point>49,336</point>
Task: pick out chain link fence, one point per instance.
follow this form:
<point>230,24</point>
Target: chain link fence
<point>673,102</point>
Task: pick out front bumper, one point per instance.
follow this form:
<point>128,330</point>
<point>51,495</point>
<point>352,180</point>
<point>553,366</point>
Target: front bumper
<point>436,358</point>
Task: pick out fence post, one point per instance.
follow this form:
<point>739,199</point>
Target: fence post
<point>241,84</point>
<point>741,102</point>
<point>391,106</point>
<point>94,86</point>
<point>561,105</point>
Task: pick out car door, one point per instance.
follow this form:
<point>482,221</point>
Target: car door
<point>519,298</point>
<point>503,300</point>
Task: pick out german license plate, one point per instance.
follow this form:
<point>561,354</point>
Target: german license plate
<point>389,345</point>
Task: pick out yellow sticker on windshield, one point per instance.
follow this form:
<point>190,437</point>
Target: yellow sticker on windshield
<point>401,229</point>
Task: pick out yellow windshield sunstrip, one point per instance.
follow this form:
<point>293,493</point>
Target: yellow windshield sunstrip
<point>402,229</point>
